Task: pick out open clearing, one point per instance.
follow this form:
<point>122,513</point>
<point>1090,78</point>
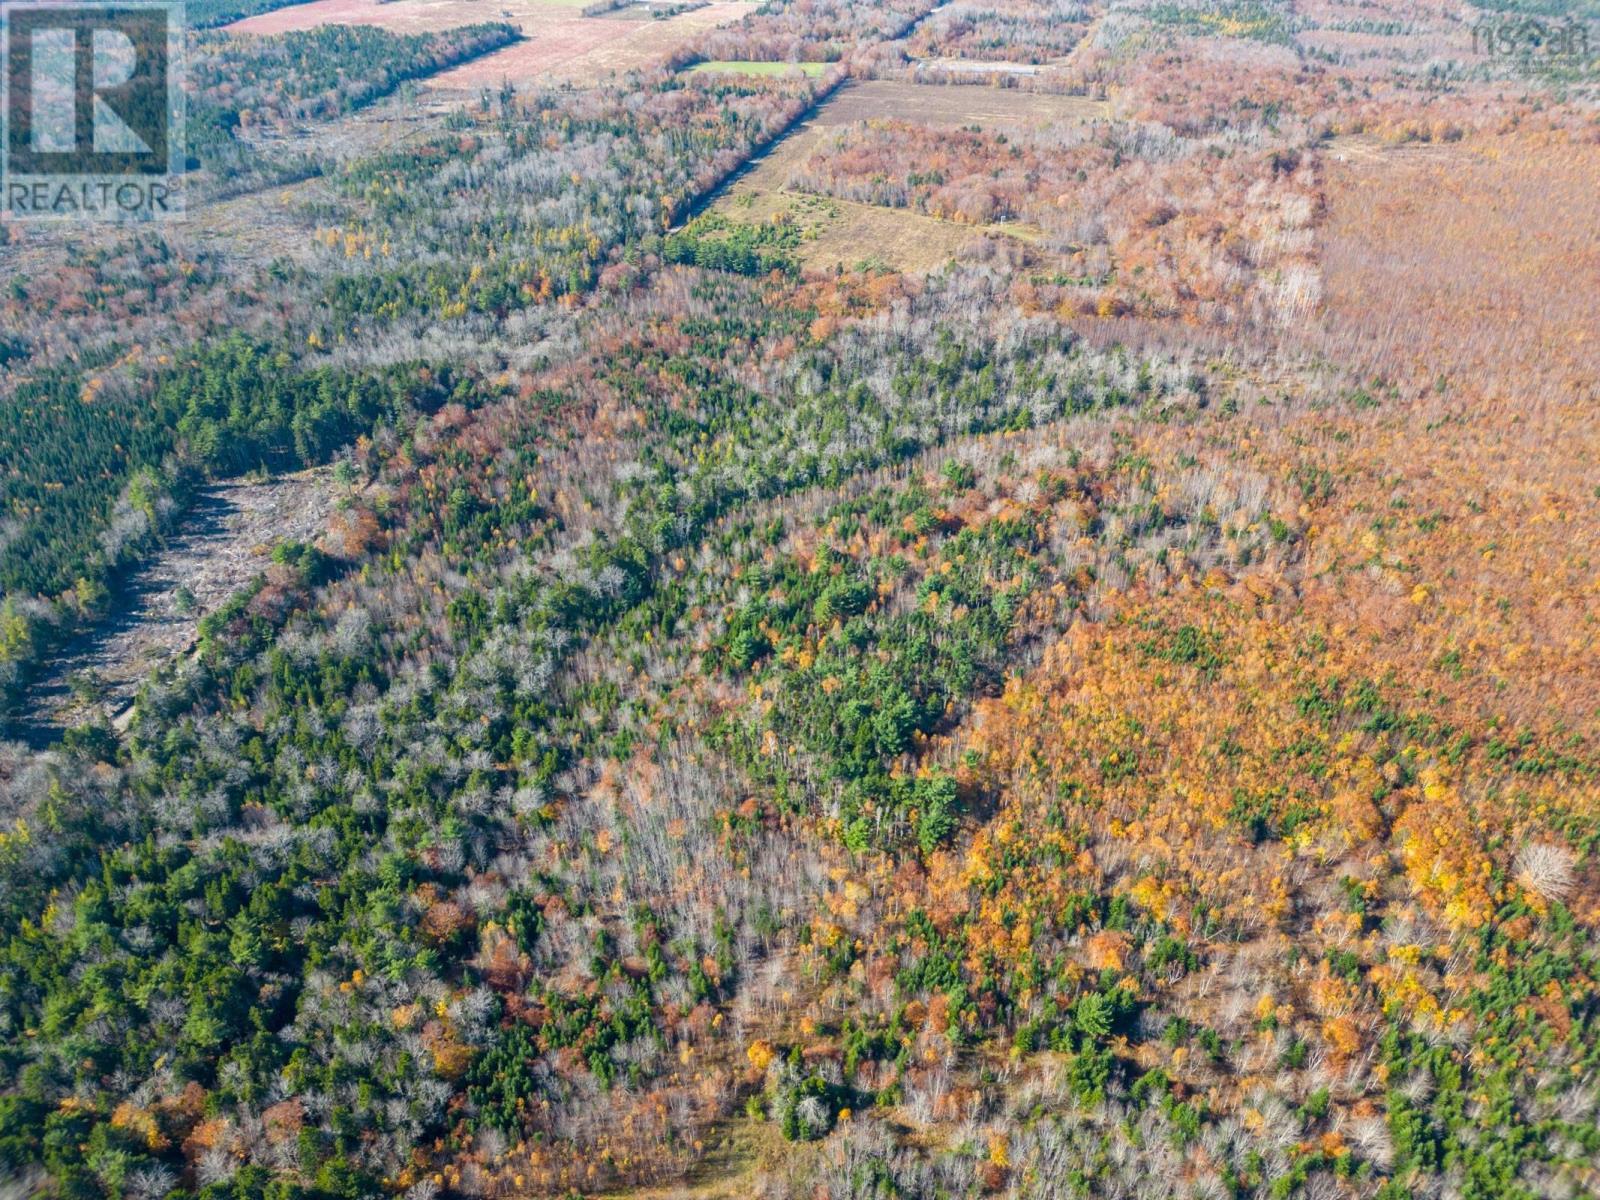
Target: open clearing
<point>272,222</point>
<point>582,49</point>
<point>737,1151</point>
<point>222,544</point>
<point>408,16</point>
<point>848,234</point>
<point>758,68</point>
<point>968,66</point>
<point>562,45</point>
<point>952,106</point>
<point>933,105</point>
<point>843,233</point>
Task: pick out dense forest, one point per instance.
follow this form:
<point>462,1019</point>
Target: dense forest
<point>322,73</point>
<point>104,419</point>
<point>1111,714</point>
<point>207,14</point>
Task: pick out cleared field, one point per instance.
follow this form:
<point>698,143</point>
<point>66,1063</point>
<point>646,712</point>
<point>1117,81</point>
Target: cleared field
<point>1361,147</point>
<point>757,68</point>
<point>562,45</point>
<point>221,545</point>
<point>845,233</point>
<point>841,233</point>
<point>568,49</point>
<point>932,105</point>
<point>406,16</point>
<point>955,105</point>
<point>967,66</point>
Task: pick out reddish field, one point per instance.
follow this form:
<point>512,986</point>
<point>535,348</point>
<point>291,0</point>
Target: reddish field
<point>408,16</point>
<point>562,46</point>
<point>580,49</point>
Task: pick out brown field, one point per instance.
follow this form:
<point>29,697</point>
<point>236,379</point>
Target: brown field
<point>562,46</point>
<point>1368,148</point>
<point>844,233</point>
<point>579,49</point>
<point>972,66</point>
<point>954,105</point>
<point>408,16</point>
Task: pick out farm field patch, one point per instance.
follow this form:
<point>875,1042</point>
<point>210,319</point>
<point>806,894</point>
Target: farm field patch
<point>966,66</point>
<point>405,16</point>
<point>562,45</point>
<point>844,233</point>
<point>757,68</point>
<point>564,48</point>
<point>956,105</point>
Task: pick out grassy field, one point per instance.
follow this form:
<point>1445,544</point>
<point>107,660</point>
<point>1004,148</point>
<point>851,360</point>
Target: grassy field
<point>842,233</point>
<point>757,68</point>
<point>736,1152</point>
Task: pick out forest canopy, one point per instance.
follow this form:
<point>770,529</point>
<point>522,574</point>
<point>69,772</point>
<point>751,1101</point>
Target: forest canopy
<point>1007,614</point>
